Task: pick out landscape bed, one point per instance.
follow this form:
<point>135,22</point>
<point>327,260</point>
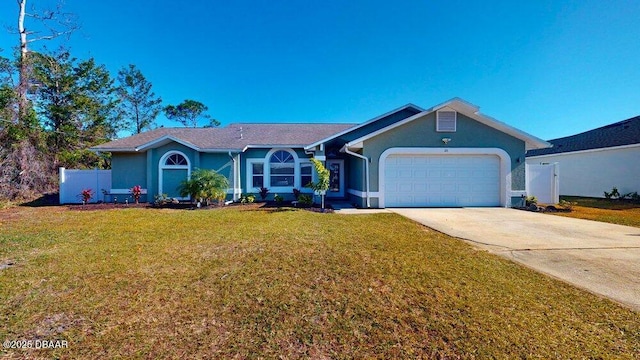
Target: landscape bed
<point>252,282</point>
<point>619,212</point>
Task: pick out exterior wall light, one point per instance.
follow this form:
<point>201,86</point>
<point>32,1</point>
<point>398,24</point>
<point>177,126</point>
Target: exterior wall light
<point>446,140</point>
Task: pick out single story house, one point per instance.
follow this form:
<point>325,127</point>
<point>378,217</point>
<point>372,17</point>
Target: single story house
<point>449,155</point>
<point>595,161</point>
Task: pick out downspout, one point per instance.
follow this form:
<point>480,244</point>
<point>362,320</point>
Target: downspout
<point>366,171</point>
<point>235,176</point>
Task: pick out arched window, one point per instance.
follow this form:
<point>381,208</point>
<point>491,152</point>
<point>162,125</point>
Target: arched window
<point>282,168</point>
<point>176,159</point>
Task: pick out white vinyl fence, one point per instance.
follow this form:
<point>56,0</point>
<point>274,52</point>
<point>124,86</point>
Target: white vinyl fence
<point>72,182</point>
<point>543,182</point>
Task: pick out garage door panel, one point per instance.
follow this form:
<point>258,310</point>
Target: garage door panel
<point>440,181</point>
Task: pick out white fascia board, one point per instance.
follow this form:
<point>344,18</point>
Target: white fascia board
<point>531,142</point>
<point>308,147</point>
<point>460,103</point>
<point>166,139</point>
<point>471,111</point>
<point>611,148</point>
<point>112,150</point>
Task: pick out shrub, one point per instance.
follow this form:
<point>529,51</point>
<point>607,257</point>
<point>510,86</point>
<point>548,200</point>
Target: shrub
<point>205,184</point>
<point>263,191</point>
<point>305,199</point>
<point>160,200</point>
<point>278,199</point>
<point>86,195</point>
<point>296,193</point>
<point>531,200</point>
<point>247,198</point>
<point>567,204</point>
<point>136,191</point>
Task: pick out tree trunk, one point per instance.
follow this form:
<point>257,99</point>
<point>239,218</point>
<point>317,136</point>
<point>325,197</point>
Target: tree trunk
<point>23,85</point>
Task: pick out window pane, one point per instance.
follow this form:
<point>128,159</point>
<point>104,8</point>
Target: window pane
<point>258,168</point>
<point>281,156</point>
<point>305,180</point>
<point>281,180</point>
<point>279,170</point>
<point>175,159</point>
<point>305,169</point>
<point>258,181</point>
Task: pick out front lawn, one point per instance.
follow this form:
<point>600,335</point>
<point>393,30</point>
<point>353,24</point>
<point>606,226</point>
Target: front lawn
<point>255,283</point>
<point>605,210</point>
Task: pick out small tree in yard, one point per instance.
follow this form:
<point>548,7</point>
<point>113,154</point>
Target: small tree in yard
<point>205,184</point>
<point>322,185</point>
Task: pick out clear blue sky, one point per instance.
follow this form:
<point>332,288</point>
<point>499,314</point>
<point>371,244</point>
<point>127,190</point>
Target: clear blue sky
<point>550,68</point>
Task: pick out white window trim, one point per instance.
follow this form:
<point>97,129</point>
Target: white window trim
<point>162,166</point>
<point>297,162</point>
<point>249,178</point>
<point>455,120</point>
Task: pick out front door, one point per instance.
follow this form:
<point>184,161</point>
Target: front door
<point>336,178</point>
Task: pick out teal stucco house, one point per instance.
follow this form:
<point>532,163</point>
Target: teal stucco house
<point>449,155</point>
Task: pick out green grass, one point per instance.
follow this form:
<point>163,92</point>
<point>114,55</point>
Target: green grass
<point>605,210</point>
<point>142,283</point>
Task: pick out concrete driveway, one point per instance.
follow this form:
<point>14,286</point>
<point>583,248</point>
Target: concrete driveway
<point>602,258</point>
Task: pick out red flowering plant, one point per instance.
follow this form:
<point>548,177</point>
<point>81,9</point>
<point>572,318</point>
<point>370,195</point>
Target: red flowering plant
<point>136,191</point>
<point>86,195</point>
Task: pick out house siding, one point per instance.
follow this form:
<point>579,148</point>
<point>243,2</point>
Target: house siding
<point>469,134</point>
<point>128,170</point>
<point>377,125</point>
<point>220,162</point>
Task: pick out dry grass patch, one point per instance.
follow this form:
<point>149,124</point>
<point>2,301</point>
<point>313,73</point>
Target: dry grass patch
<point>605,210</point>
<point>141,283</point>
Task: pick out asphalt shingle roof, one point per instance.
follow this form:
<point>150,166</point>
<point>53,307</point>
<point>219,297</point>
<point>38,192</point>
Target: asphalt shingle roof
<point>232,137</point>
<point>625,132</point>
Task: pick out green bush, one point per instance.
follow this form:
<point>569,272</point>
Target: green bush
<point>305,199</point>
<point>531,200</point>
<point>247,198</point>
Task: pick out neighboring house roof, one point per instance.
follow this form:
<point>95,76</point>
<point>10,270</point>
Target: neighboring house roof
<point>234,137</point>
<point>625,132</point>
<point>467,109</point>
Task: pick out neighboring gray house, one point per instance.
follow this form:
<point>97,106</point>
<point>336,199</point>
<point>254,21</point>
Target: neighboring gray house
<point>595,161</point>
<point>447,155</point>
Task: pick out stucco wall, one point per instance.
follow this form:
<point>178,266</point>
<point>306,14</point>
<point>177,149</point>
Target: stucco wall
<point>128,170</point>
<point>469,133</point>
<point>592,172</point>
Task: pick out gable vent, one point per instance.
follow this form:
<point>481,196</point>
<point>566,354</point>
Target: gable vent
<point>446,121</point>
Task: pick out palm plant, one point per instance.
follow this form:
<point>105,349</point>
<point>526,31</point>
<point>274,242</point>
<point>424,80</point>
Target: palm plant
<point>205,184</point>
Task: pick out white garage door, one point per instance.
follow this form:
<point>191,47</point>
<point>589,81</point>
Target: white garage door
<point>442,181</point>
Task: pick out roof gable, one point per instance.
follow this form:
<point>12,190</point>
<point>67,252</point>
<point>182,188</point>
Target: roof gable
<point>371,125</point>
<point>467,109</point>
<point>625,132</point>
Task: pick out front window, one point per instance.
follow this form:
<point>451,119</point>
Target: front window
<point>305,174</point>
<point>281,166</point>
<point>257,175</point>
